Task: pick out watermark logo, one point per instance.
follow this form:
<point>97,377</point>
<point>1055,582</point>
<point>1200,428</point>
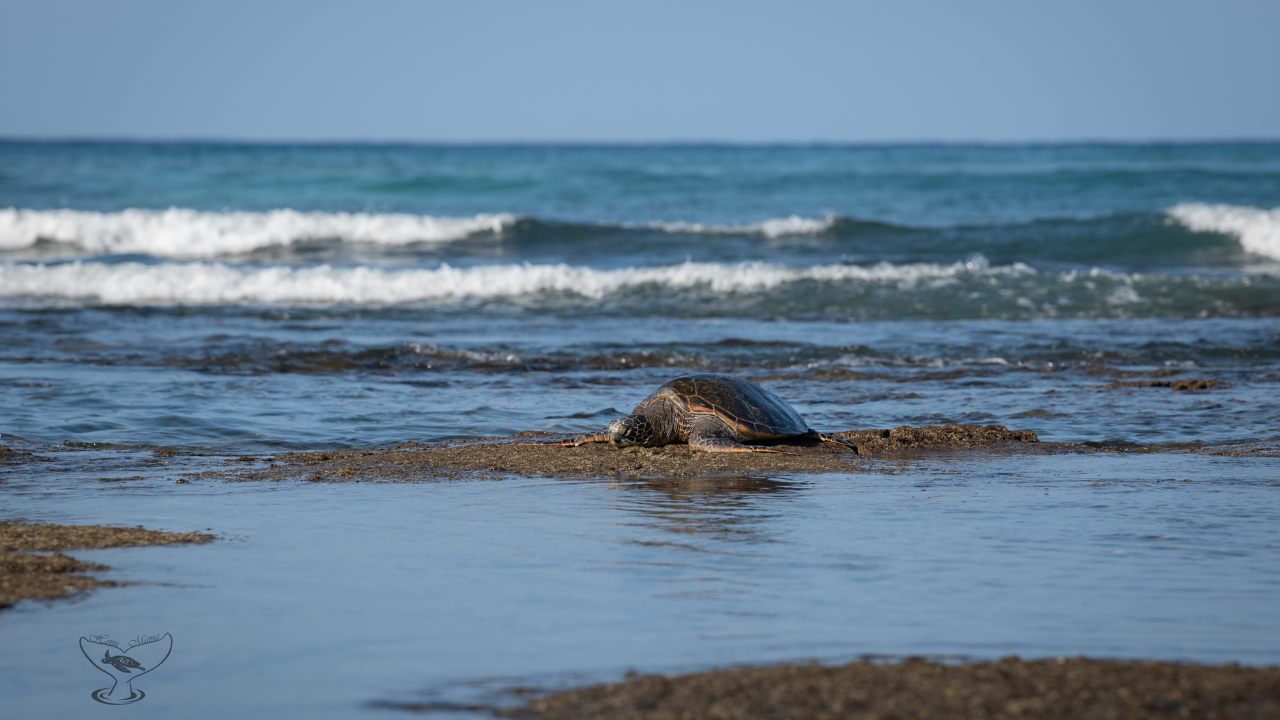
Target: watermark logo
<point>144,654</point>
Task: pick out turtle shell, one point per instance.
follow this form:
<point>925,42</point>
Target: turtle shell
<point>755,412</point>
<point>119,660</point>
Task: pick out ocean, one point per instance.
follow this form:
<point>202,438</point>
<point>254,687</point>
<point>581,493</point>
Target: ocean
<point>219,300</point>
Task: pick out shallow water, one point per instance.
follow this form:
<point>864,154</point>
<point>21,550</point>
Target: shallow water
<point>235,384</point>
<point>322,599</point>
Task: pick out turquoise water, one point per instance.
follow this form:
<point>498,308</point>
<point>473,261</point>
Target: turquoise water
<point>229,299</point>
<point>931,186</point>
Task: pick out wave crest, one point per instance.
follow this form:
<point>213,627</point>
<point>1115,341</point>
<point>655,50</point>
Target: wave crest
<point>771,228</point>
<point>1258,230</point>
<point>208,283</point>
<point>192,234</point>
<point>970,289</point>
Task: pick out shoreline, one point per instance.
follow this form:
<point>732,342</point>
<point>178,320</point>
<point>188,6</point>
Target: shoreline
<point>493,456</point>
<point>489,457</point>
<point>25,576</point>
<point>905,688</point>
<point>412,461</point>
<point>914,688</point>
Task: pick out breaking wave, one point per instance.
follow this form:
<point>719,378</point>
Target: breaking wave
<point>969,289</point>
<point>185,234</point>
<point>1258,230</point>
<point>207,283</point>
<point>192,234</point>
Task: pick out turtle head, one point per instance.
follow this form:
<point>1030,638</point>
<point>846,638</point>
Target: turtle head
<point>631,430</point>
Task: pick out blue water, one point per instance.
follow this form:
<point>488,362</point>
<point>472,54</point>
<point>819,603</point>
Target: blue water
<point>219,300</point>
<point>932,186</point>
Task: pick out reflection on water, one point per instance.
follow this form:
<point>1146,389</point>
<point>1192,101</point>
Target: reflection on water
<point>719,509</point>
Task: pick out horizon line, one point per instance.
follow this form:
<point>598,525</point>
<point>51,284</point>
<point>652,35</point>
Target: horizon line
<point>337,142</point>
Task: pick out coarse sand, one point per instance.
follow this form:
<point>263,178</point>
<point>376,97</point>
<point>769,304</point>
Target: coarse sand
<point>414,461</point>
<point>1055,689</point>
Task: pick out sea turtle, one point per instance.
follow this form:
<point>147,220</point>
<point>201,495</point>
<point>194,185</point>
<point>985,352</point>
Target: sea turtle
<point>121,662</point>
<point>715,413</point>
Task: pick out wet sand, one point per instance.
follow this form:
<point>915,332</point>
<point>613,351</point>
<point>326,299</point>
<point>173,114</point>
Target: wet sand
<point>1057,689</point>
<point>49,577</point>
<point>512,455</point>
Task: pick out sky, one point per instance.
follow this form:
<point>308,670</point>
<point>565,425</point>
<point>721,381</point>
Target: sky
<point>653,71</point>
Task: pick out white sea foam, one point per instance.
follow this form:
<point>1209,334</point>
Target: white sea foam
<point>1258,230</point>
<point>771,228</point>
<point>191,234</point>
<point>212,283</point>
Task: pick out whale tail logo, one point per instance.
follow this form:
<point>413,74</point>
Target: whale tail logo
<point>143,655</point>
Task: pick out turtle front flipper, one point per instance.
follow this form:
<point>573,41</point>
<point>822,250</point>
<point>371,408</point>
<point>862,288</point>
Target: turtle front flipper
<point>605,436</point>
<point>629,430</point>
<point>719,441</point>
<point>575,441</point>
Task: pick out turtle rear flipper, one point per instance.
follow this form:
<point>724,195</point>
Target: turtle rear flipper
<point>832,439</point>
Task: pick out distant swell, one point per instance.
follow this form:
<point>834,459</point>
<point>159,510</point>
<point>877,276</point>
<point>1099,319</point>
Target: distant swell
<point>1258,230</point>
<point>192,234</point>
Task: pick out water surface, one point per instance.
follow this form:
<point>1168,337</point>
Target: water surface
<point>215,300</point>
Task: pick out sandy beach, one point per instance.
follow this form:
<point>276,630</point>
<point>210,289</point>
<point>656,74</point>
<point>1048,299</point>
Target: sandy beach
<point>916,689</point>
